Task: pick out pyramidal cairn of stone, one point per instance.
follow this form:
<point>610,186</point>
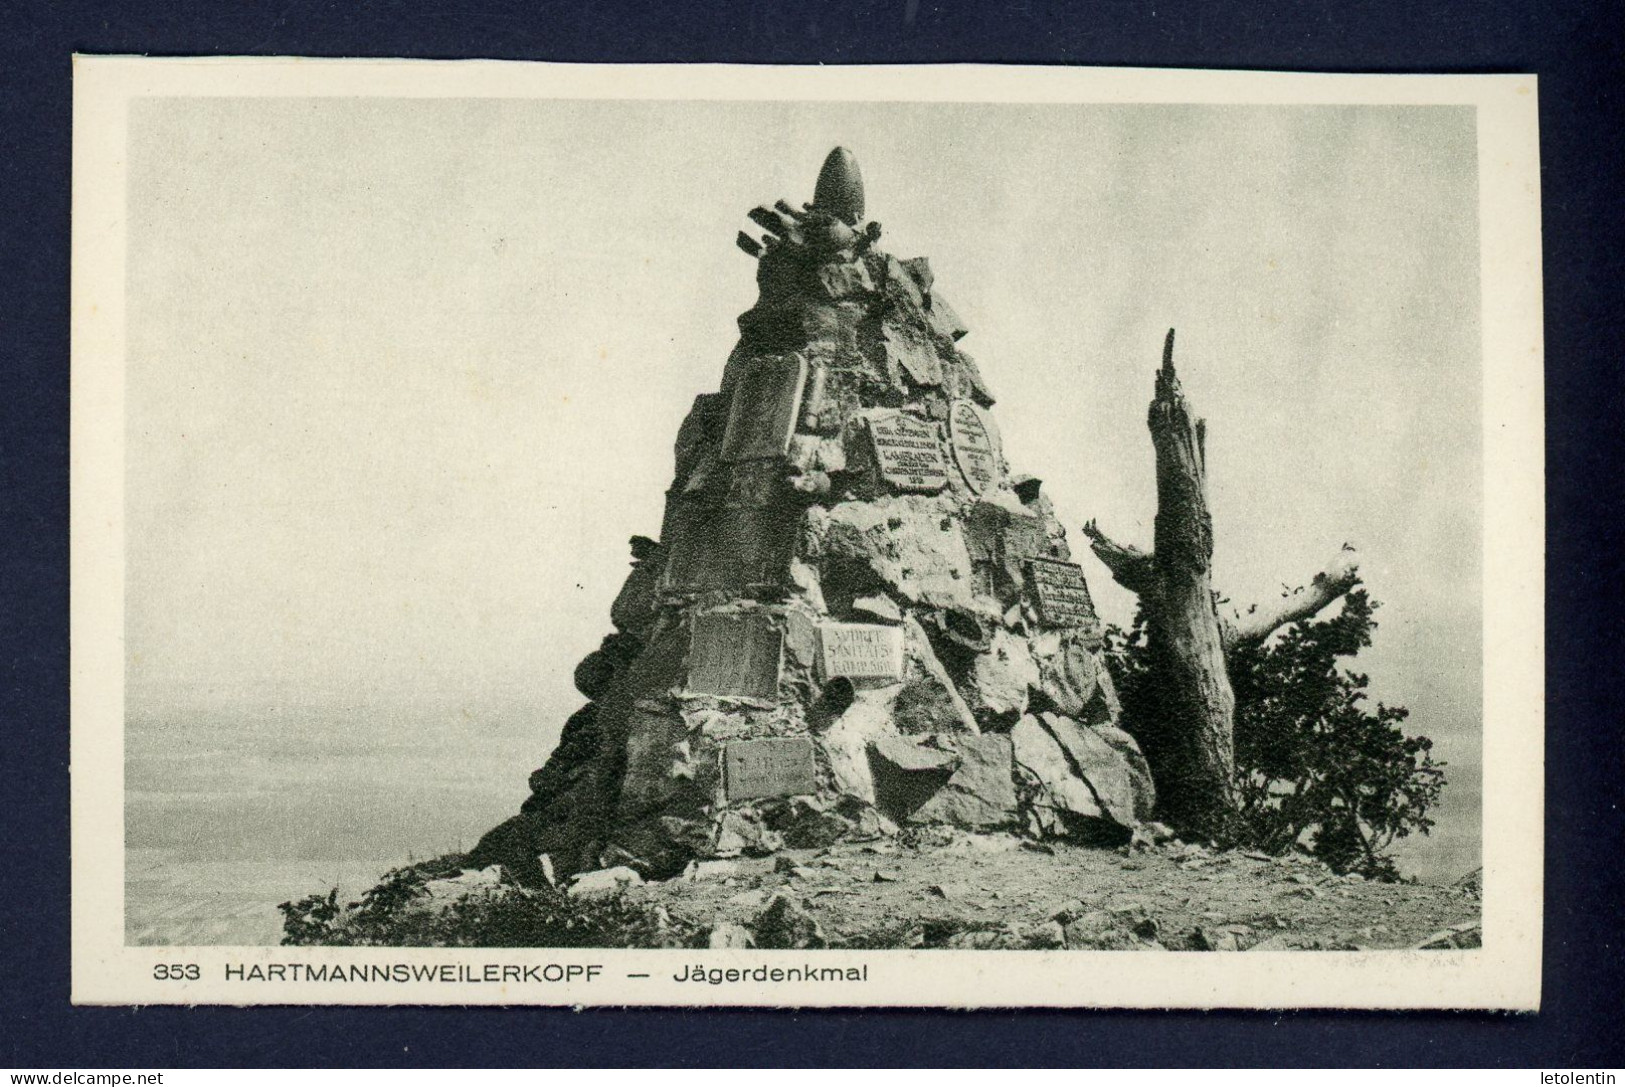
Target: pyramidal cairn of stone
<point>856,618</point>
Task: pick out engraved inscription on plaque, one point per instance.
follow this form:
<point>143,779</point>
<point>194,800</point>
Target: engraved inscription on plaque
<point>776,767</point>
<point>973,446</point>
<point>766,401</point>
<point>1063,595</point>
<point>862,650</point>
<point>735,655</point>
<point>908,452</point>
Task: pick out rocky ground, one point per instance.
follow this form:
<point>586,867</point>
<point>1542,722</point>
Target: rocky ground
<point>944,888</point>
<point>1002,891</point>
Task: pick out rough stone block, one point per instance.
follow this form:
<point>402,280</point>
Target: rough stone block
<point>846,742</point>
<point>637,603</point>
<point>1060,787</point>
<point>1102,708</point>
<point>658,761</point>
<point>928,701</point>
<point>706,871</point>
<point>945,321</point>
<point>974,383</point>
<point>568,767</point>
<point>981,794</point>
<point>470,881</point>
<point>1145,789</point>
<point>1100,764</point>
<point>999,680</point>
<point>842,281</point>
<point>909,544</point>
<point>786,924</point>
<point>919,270</point>
<point>606,881</point>
<point>902,755</point>
<point>1069,673</point>
<point>696,435</point>
<point>912,354</point>
<point>881,608</point>
<point>808,822</point>
<point>730,935</point>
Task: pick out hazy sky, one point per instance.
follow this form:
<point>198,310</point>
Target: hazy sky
<point>404,376</point>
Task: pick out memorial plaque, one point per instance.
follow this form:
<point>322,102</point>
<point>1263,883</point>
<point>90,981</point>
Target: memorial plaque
<point>766,402</point>
<point>909,453</point>
<point>738,655</point>
<point>862,650</point>
<point>726,547</point>
<point>1063,595</point>
<point>973,446</point>
<point>753,769</point>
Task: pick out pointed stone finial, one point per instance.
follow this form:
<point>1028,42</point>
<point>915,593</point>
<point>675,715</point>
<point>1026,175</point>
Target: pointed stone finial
<point>840,187</point>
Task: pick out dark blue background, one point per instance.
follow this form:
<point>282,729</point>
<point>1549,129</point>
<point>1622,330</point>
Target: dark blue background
<point>1574,47</point>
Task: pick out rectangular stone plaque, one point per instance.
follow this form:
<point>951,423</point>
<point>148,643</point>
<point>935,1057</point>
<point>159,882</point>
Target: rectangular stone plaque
<point>1063,594</point>
<point>718,546</point>
<point>909,453</point>
<point>759,768</point>
<point>862,650</point>
<point>739,655</point>
<point>766,402</point>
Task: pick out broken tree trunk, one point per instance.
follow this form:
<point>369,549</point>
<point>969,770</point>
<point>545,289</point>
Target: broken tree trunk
<point>1191,746</point>
<point>1198,760</point>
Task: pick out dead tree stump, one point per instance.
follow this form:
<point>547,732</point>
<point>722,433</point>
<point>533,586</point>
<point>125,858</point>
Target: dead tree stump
<point>1191,747</point>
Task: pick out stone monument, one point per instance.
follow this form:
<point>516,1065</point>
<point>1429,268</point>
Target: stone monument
<point>856,617</point>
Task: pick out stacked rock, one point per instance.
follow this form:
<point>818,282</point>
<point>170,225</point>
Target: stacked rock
<point>856,617</point>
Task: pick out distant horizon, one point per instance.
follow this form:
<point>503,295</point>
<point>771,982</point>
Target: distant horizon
<point>175,792</point>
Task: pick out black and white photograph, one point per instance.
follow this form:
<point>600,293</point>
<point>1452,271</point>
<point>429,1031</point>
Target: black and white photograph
<point>939,538</point>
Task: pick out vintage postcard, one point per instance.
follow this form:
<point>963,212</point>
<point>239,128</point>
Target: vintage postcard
<point>696,535</point>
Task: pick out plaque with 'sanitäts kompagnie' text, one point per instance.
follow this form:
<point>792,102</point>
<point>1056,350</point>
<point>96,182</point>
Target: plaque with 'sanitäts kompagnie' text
<point>861,650</point>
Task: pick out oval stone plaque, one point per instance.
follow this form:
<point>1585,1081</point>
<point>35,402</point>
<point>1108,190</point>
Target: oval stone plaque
<point>973,446</point>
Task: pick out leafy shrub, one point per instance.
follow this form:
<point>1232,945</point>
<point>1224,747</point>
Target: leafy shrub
<point>1316,764</point>
<point>398,912</point>
<point>310,919</point>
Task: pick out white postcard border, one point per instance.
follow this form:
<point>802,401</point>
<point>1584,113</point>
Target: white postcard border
<point>1503,974</point>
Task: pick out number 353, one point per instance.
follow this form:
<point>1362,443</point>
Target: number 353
<point>179,971</point>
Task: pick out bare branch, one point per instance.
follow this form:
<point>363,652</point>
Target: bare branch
<point>1132,568</point>
<point>1262,620</point>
